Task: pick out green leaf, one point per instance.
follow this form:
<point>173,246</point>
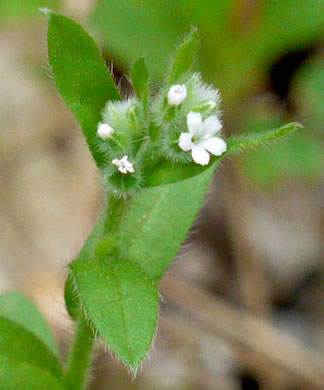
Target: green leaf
<point>17,375</point>
<point>21,345</point>
<point>184,57</point>
<point>122,303</point>
<point>81,75</point>
<point>239,143</point>
<point>140,79</point>
<point>16,307</point>
<point>71,297</point>
<point>165,172</point>
<point>158,221</point>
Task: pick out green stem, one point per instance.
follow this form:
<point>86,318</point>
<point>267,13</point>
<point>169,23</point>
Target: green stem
<point>115,209</point>
<point>80,353</point>
<point>80,357</point>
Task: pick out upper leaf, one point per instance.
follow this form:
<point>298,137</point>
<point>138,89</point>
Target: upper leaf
<point>140,79</point>
<point>81,75</point>
<point>16,307</point>
<point>184,57</point>
<point>18,375</point>
<point>158,221</point>
<point>21,345</point>
<point>122,303</point>
<point>253,140</point>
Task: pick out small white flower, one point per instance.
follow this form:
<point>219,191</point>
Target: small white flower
<point>177,94</point>
<point>105,131</point>
<point>123,165</point>
<point>200,139</point>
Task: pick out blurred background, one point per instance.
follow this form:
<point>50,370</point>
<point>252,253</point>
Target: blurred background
<point>243,302</point>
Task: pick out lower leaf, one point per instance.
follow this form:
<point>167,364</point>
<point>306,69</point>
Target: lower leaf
<point>16,307</point>
<point>21,345</point>
<point>122,303</point>
<point>17,375</point>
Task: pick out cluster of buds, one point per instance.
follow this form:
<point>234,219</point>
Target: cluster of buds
<point>186,119</point>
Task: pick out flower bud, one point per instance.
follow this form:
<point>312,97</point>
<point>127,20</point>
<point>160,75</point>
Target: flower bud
<point>177,94</point>
<point>104,131</point>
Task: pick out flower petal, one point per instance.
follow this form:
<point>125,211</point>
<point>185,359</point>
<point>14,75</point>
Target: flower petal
<point>123,165</point>
<point>194,123</point>
<point>215,145</point>
<point>199,154</point>
<point>211,126</point>
<point>185,142</point>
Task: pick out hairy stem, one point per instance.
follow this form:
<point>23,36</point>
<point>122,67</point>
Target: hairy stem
<point>115,209</point>
<point>80,357</point>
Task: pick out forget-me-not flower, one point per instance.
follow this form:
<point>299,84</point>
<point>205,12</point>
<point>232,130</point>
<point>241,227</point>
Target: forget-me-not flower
<point>200,138</point>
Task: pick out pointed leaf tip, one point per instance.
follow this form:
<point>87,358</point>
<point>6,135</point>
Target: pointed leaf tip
<point>250,141</point>
<point>185,56</point>
<point>81,76</point>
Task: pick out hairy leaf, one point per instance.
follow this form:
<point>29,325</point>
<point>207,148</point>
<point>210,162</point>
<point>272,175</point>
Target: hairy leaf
<point>235,144</point>
<point>184,57</point>
<point>16,307</point>
<point>122,303</point>
<point>81,75</point>
<point>158,221</point>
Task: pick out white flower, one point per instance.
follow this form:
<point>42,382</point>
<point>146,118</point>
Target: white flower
<point>177,94</point>
<point>105,131</point>
<point>200,139</point>
<point>123,165</point>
